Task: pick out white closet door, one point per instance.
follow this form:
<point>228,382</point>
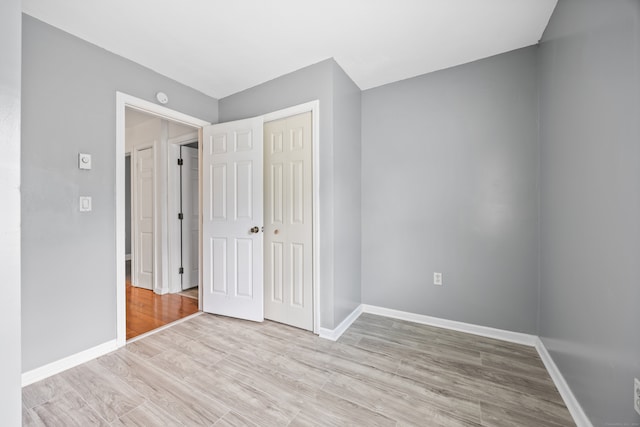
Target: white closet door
<point>232,219</point>
<point>288,221</point>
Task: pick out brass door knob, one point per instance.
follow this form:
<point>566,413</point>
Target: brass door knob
<point>276,231</point>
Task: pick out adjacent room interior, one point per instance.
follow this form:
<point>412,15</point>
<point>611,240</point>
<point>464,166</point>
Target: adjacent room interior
<point>157,189</point>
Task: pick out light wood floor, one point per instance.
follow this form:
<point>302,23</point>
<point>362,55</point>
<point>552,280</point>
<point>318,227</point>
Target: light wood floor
<point>212,370</point>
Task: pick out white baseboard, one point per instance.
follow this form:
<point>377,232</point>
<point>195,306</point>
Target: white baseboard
<point>484,331</point>
<point>576,411</point>
<point>334,334</point>
<point>58,366</point>
<point>74,360</point>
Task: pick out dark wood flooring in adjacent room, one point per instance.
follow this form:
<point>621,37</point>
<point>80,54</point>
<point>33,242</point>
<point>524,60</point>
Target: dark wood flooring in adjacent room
<point>147,310</point>
<point>212,370</point>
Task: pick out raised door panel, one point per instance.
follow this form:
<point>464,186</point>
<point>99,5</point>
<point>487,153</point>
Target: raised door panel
<point>276,277</point>
<point>243,260</point>
<point>218,283</point>
<point>217,185</point>
<point>243,190</point>
<point>297,275</point>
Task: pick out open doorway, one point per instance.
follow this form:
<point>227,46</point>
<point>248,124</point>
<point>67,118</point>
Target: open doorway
<point>161,221</point>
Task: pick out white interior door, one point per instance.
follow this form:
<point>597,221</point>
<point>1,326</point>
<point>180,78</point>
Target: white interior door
<point>232,179</point>
<point>143,223</point>
<point>190,217</point>
<point>288,230</point>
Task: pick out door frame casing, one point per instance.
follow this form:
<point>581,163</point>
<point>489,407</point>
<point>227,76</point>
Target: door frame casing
<point>123,101</point>
<point>173,232</point>
<point>314,108</point>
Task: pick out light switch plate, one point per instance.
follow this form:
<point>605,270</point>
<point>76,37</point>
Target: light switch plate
<point>84,161</point>
<point>437,279</point>
<point>85,203</point>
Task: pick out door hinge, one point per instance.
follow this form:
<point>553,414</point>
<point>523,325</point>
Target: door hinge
<point>180,162</point>
<point>180,216</point>
<point>181,270</point>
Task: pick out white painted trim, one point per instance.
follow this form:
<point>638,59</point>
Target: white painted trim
<point>314,108</point>
<point>161,255</point>
<point>185,139</point>
<point>68,362</point>
<point>122,101</point>
<point>85,356</point>
<point>121,313</point>
<point>483,331</point>
<point>334,334</point>
<point>576,411</point>
<point>163,327</point>
<point>159,110</point>
<point>200,219</point>
<point>173,224</point>
<point>173,189</point>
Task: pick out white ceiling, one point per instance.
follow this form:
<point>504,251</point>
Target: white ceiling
<point>224,46</point>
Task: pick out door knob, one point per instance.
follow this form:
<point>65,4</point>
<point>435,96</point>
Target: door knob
<point>254,229</point>
<point>276,231</point>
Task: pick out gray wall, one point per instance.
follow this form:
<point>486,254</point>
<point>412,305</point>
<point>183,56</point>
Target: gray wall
<point>347,191</point>
<point>10,36</point>
<point>590,202</point>
<point>307,84</point>
<point>449,184</point>
<point>69,265</point>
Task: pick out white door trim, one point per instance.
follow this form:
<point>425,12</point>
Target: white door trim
<point>314,107</point>
<point>122,101</point>
<point>173,235</point>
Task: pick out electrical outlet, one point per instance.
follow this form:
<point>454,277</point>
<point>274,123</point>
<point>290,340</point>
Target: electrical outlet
<point>636,395</point>
<point>437,279</point>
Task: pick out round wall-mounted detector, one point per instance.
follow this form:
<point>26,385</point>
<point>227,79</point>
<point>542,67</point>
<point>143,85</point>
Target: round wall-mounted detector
<point>162,97</point>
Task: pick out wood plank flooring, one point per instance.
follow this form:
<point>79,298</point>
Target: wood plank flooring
<point>212,370</point>
<point>147,310</point>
